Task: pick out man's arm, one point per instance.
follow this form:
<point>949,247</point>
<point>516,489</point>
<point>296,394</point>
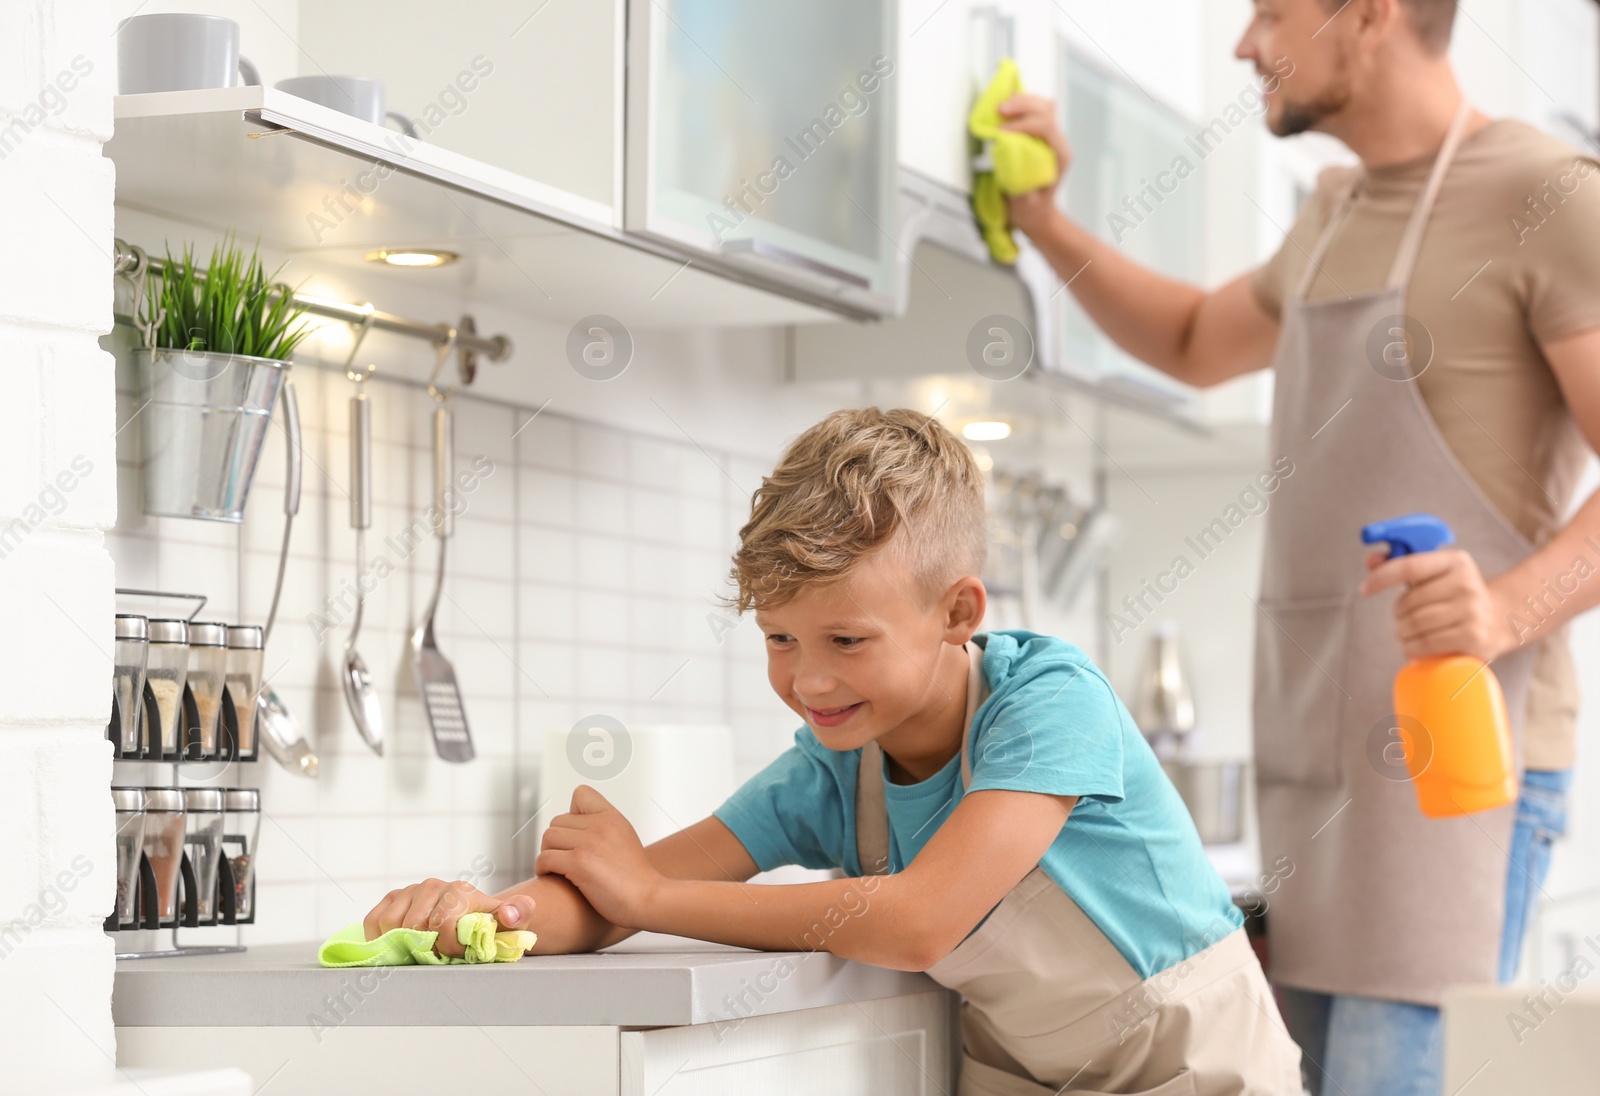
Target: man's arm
<point>1197,337</point>
<point>1575,361</point>
<point>907,920</point>
<point>1450,607</point>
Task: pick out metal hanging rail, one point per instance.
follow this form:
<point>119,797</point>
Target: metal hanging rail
<point>133,261</point>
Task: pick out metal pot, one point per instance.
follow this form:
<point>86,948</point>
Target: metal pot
<point>1214,793</point>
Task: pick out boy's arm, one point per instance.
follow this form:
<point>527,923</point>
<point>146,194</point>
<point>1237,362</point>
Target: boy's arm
<point>551,906</point>
<point>907,920</point>
<point>566,922</point>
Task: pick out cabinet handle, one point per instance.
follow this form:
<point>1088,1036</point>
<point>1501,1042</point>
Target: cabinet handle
<point>761,249</point>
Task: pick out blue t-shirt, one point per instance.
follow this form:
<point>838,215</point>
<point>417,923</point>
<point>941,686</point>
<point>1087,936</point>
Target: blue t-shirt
<point>1128,854</point>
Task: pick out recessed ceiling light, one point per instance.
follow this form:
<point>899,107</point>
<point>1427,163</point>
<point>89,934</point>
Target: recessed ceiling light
<point>412,257</point>
<point>986,430</point>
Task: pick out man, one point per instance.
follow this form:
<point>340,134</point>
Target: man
<point>1433,320</point>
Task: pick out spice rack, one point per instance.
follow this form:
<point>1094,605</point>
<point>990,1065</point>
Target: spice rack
<point>184,697</point>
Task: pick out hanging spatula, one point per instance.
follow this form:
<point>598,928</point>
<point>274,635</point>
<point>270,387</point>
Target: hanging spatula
<point>436,678</point>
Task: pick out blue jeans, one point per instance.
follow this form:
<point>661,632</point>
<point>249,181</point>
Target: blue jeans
<point>1364,1046</point>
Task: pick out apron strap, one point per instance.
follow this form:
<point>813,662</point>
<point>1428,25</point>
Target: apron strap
<point>872,813</point>
<point>1411,238</point>
<point>1320,248</point>
<point>1405,257</point>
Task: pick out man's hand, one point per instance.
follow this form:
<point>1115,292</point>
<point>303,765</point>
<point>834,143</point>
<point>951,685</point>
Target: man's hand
<point>1449,608</point>
<point>597,850</point>
<point>1036,116</point>
<point>436,905</point>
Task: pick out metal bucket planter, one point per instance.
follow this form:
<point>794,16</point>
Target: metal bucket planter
<point>204,419</point>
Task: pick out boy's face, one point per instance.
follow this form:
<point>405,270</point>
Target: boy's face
<point>861,657</point>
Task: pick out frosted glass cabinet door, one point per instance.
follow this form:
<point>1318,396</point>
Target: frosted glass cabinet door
<point>762,134</point>
<point>1137,182</point>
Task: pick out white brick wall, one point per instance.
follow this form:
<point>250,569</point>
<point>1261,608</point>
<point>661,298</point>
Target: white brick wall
<point>56,876</point>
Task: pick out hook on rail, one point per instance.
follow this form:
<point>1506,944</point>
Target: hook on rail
<point>448,345</point>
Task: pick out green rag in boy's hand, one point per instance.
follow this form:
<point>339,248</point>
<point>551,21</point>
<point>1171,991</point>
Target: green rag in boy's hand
<point>476,932</point>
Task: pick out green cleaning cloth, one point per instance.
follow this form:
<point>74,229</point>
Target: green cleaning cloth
<point>349,947</point>
<point>1013,163</point>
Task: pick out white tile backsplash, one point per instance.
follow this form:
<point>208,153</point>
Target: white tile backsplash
<point>580,579</point>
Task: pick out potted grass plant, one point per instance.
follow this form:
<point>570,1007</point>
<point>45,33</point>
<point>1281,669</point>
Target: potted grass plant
<point>230,307</point>
<point>216,347</point>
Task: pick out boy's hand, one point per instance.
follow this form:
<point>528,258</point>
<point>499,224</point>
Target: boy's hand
<point>436,905</point>
<point>597,850</point>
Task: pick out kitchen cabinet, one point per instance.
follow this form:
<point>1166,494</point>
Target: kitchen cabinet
<point>939,75</point>
<point>651,1016</point>
<point>763,137</point>
<point>1516,1039</point>
<point>949,50</point>
<point>1134,183</point>
<point>533,88</point>
<point>325,187</point>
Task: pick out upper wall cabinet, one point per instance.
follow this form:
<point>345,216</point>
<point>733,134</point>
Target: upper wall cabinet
<point>762,136</point>
<point>534,88</point>
<point>1132,183</point>
<point>938,77</point>
<point>948,53</point>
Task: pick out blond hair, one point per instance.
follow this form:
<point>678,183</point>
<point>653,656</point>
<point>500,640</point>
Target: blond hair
<point>856,482</point>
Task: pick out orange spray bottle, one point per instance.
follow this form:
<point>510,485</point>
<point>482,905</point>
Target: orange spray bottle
<point>1449,710</point>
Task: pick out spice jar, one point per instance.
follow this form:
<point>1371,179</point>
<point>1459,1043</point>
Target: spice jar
<point>208,657</point>
<point>203,837</point>
<point>131,648</point>
<point>244,683</point>
<point>166,670</point>
<point>163,846</point>
<point>241,827</point>
<point>129,805</point>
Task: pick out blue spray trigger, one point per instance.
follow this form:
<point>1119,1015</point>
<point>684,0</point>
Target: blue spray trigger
<point>1408,534</point>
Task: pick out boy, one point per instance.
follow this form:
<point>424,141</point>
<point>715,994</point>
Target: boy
<point>1012,831</point>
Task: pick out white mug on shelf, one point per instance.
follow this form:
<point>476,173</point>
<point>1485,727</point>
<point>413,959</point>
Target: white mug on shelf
<point>359,96</point>
<point>173,51</point>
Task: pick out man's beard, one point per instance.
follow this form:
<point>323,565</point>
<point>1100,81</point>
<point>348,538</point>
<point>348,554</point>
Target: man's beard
<point>1299,117</point>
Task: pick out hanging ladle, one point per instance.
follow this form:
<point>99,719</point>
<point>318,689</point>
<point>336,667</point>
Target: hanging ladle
<point>357,682</point>
<point>279,734</point>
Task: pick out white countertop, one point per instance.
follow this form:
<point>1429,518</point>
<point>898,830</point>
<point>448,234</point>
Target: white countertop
<point>648,980</point>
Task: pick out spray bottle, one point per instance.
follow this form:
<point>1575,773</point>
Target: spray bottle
<point>1449,709</point>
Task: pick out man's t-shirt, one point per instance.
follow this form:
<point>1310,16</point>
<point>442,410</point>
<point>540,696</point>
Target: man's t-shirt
<point>1510,258</point>
<point>1128,853</point>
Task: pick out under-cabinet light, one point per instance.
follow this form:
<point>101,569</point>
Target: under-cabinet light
<point>986,430</point>
<point>411,257</point>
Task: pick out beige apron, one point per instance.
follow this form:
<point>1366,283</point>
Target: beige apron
<point>1382,901</point>
<point>1052,1006</point>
